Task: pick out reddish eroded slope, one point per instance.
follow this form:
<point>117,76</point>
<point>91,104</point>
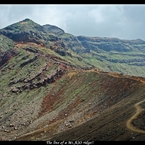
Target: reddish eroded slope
<point>111,124</point>
<point>85,95</point>
<point>7,57</point>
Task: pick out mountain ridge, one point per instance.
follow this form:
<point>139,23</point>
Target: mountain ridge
<point>56,86</point>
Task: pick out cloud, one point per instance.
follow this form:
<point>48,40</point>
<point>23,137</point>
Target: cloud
<point>97,21</point>
<point>49,15</point>
<point>122,21</point>
<point>12,13</point>
<point>97,14</point>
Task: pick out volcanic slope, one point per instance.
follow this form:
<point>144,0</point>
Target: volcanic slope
<point>98,110</point>
<point>46,94</point>
<point>42,95</point>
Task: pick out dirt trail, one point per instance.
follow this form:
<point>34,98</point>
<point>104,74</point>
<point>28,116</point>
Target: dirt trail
<point>34,133</point>
<point>139,109</point>
<point>118,75</point>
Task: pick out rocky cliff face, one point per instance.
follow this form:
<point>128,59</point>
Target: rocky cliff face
<point>53,29</point>
<point>111,44</point>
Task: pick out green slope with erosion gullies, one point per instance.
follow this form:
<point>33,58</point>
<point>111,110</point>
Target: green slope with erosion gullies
<point>6,51</point>
<point>113,54</point>
<point>5,44</point>
<point>25,79</point>
<point>108,54</point>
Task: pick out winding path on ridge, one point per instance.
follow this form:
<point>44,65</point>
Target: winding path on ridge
<point>139,110</point>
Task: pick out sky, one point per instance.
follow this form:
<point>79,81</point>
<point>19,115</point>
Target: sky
<point>94,20</point>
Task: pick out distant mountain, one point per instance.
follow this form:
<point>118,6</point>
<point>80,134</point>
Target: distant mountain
<point>28,31</point>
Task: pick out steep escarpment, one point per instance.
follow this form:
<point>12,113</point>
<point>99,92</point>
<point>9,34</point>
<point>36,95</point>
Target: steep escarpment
<point>113,54</point>
<point>53,29</point>
<point>109,44</point>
